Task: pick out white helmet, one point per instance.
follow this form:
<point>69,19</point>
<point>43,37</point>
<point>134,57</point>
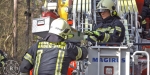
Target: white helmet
<point>105,4</point>
<point>60,27</point>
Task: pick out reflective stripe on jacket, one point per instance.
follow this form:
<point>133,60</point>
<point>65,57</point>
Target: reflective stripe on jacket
<point>51,58</point>
<point>109,30</point>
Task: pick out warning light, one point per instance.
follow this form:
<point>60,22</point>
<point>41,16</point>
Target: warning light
<point>70,22</point>
<point>108,70</point>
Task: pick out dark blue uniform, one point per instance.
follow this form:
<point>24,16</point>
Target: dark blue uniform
<point>145,12</point>
<point>109,30</point>
<point>49,58</point>
<point>3,59</point>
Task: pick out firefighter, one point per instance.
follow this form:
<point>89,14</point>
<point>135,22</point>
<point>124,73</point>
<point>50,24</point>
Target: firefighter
<point>146,9</point>
<point>52,55</point>
<point>145,13</point>
<point>110,29</point>
<point>3,58</point>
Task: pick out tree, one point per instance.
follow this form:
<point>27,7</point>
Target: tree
<point>15,22</point>
<point>28,19</point>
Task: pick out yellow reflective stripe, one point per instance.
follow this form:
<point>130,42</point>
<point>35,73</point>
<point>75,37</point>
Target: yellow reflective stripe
<point>1,57</point>
<point>143,22</point>
<point>118,28</point>
<point>45,4</point>
<point>111,31</point>
<point>79,54</point>
<point>108,29</point>
<point>3,63</point>
<point>96,33</point>
<point>51,45</point>
<point>103,29</point>
<point>37,63</point>
<point>59,62</point>
<point>99,29</point>
<point>106,38</point>
<point>29,58</point>
<point>94,38</point>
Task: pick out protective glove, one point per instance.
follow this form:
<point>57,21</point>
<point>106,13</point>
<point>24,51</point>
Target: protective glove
<point>68,36</point>
<point>88,33</point>
<point>84,43</point>
<point>92,33</point>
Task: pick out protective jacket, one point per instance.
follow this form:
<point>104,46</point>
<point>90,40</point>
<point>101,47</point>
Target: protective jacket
<point>109,30</point>
<point>146,9</point>
<point>147,3</point>
<point>49,58</point>
<point>145,12</point>
<point>3,58</point>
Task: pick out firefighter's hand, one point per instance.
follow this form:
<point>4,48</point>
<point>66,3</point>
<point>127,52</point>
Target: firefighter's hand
<point>92,33</point>
<point>88,33</point>
<point>84,43</point>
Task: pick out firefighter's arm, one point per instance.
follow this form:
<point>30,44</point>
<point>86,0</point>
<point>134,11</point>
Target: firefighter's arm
<point>76,52</point>
<point>144,12</point>
<point>27,61</point>
<point>112,35</point>
<point>3,59</point>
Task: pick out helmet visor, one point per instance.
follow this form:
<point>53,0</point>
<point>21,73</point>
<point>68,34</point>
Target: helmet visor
<point>101,10</point>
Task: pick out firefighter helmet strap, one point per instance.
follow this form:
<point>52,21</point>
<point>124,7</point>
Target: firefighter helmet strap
<point>67,36</point>
<point>113,8</point>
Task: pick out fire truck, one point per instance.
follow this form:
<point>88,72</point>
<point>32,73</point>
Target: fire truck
<point>129,58</point>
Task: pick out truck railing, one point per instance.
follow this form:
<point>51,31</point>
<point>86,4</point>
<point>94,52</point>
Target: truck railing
<point>133,59</point>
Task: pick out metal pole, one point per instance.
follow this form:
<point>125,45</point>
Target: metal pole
<point>119,61</point>
<point>98,61</point>
<point>94,7</point>
<point>132,68</point>
<point>28,16</point>
<point>136,29</point>
<point>15,30</point>
<point>131,23</point>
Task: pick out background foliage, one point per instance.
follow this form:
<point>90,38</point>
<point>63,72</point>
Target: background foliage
<point>6,27</point>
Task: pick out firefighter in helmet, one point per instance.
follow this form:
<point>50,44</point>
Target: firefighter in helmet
<point>3,58</point>
<point>110,29</point>
<point>145,10</point>
<point>145,14</point>
<point>52,55</point>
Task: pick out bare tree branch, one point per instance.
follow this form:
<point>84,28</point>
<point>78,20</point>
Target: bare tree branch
<point>5,48</point>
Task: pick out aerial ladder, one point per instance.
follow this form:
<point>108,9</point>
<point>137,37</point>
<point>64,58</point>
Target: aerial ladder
<point>102,60</point>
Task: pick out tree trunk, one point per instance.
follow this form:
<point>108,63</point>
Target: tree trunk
<point>15,22</point>
<point>28,16</point>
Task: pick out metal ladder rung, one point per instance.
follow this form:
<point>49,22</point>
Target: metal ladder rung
<point>108,55</point>
<point>84,28</point>
<point>128,34</point>
<point>129,29</point>
<point>128,25</point>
